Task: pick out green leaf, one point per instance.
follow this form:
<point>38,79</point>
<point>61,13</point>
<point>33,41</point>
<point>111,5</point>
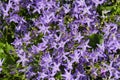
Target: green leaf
<point>2,45</point>
<point>95,39</point>
<point>2,55</point>
<point>9,47</point>
<point>58,76</point>
<point>1,50</point>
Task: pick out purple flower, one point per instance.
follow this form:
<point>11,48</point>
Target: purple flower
<point>86,10</point>
<point>15,18</point>
<point>39,5</point>
<point>57,38</point>
<point>23,59</point>
<point>54,45</point>
<point>80,3</point>
<point>41,75</point>
<point>84,46</point>
<point>43,29</point>
<point>113,44</point>
<point>20,51</point>
<point>16,1</point>
<point>46,60</point>
<point>79,75</point>
<point>6,9</point>
<point>47,17</point>
<point>34,49</point>
<point>110,28</point>
<point>87,21</point>
<point>67,75</point>
<point>111,69</point>
<point>42,46</point>
<point>69,64</point>
<point>65,55</point>
<point>17,42</point>
<point>55,68</point>
<point>62,43</point>
<point>95,55</point>
<point>66,8</point>
<point>27,37</point>
<point>1,62</point>
<point>97,2</point>
<point>101,47</point>
<point>78,37</point>
<point>75,56</point>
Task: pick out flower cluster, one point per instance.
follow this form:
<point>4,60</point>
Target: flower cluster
<point>63,39</point>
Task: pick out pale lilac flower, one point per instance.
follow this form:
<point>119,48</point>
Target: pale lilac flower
<point>1,61</point>
<point>87,21</point>
<point>46,60</point>
<point>17,42</point>
<point>65,55</point>
<point>56,67</point>
<point>52,78</point>
<point>79,75</point>
<point>43,29</point>
<point>20,51</point>
<point>23,59</point>
<point>95,72</point>
<point>95,54</point>
<point>51,4</point>
<point>41,75</point>
<point>75,56</point>
<point>16,1</point>
<point>101,47</point>
<point>67,75</point>
<point>66,8</point>
<point>80,2</point>
<point>6,9</point>
<point>84,45</point>
<point>54,45</point>
<point>62,43</point>
<point>78,37</point>
<point>97,2</point>
<point>69,64</point>
<point>39,5</point>
<point>113,44</point>
<point>57,38</point>
<point>110,28</point>
<point>76,9</point>
<point>47,17</point>
<point>110,68</point>
<point>27,37</point>
<point>42,46</point>
<point>34,49</point>
<point>15,18</point>
<point>86,10</point>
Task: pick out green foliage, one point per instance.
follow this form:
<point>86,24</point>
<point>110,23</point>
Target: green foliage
<point>110,10</point>
<point>38,39</point>
<point>7,53</point>
<point>4,1</point>
<point>27,15</point>
<point>68,19</point>
<point>95,39</point>
<point>65,1</point>
<point>58,76</point>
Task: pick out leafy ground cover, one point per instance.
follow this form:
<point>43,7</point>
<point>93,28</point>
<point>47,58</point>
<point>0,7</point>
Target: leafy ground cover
<point>59,39</point>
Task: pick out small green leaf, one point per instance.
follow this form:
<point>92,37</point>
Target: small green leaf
<point>9,47</point>
<point>95,39</point>
<point>58,76</point>
<point>2,45</point>
<point>1,50</point>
